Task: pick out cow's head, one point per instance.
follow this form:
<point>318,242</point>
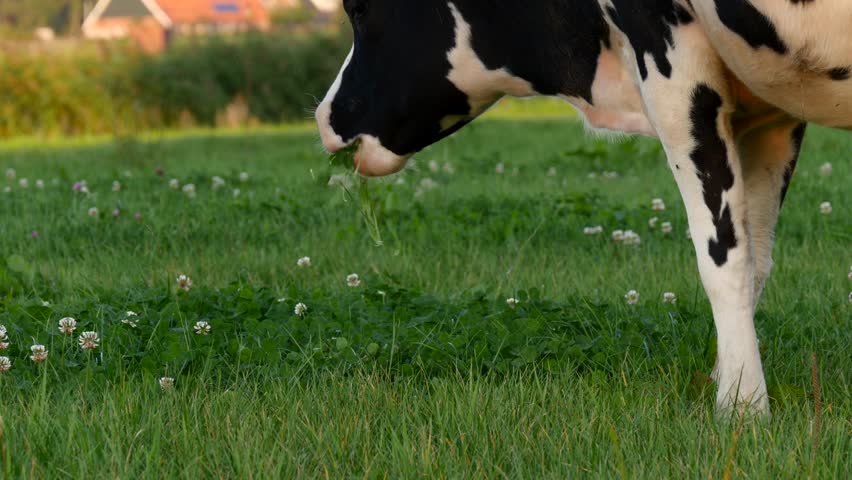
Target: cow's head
<point>411,79</point>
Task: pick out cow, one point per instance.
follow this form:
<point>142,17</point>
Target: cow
<point>727,86</point>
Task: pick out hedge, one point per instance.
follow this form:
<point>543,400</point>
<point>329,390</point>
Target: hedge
<point>274,78</point>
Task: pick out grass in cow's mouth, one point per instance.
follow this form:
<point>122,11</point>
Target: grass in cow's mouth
<point>346,158</point>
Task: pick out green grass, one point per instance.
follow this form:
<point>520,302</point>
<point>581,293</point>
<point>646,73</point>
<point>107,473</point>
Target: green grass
<point>422,370</point>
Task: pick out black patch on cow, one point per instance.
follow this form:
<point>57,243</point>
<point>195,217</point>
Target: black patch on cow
<point>797,138</point>
<point>840,73</point>
<point>742,18</point>
<point>552,44</point>
<point>648,25</point>
<point>710,157</point>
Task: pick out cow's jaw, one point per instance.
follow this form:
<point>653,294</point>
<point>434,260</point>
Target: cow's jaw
<point>374,160</point>
<point>371,159</point>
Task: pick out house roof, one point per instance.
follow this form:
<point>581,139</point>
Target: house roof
<point>215,11</point>
<point>170,12</point>
<point>127,8</point>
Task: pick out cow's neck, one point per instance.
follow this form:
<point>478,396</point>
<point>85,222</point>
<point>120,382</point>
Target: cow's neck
<point>546,48</point>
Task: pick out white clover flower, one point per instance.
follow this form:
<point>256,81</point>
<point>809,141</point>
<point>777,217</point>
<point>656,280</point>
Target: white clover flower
<point>127,174</point>
<point>39,353</point>
<point>130,319</point>
<point>189,190</point>
<point>218,182</point>
<point>448,168</point>
<point>244,177</point>
<point>850,297</point>
<point>632,238</point>
<point>434,167</point>
<point>669,297</point>
<point>631,297</point>
<point>551,172</point>
<point>11,174</point>
<point>5,364</point>
<point>7,189</point>
<point>849,275</point>
<point>610,175</point>
<point>94,212</point>
<point>202,328</point>
<point>658,205</point>
<point>512,302</point>
<point>39,184</point>
<point>666,228</point>
<point>428,184</point>
<point>652,222</point>
<point>826,169</point>
<point>167,383</point>
<point>116,186</point>
<point>618,236</point>
<point>236,192</point>
<point>499,169</point>
<point>4,339</point>
<point>24,183</point>
<point>301,309</point>
<point>825,208</point>
<point>81,187</point>
<point>174,184</point>
<point>184,282</point>
<point>353,280</point>
<point>303,262</point>
<point>597,230</point>
<point>592,175</point>
<point>67,325</point>
<point>89,340</point>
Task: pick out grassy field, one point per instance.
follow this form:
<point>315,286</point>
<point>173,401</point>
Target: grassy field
<point>422,369</point>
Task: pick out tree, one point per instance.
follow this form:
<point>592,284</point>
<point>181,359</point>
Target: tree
<point>64,16</point>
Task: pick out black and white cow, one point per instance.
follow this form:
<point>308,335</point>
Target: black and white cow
<point>726,85</point>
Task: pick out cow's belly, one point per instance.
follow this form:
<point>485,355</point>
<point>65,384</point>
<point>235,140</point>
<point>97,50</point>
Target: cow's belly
<point>804,68</point>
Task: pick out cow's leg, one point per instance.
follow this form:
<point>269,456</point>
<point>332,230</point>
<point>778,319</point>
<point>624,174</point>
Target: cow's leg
<point>769,155</point>
<point>691,109</point>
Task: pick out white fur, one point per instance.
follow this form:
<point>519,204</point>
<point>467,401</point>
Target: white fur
<point>331,140</point>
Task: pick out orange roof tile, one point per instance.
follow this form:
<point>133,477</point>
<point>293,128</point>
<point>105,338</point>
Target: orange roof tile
<point>215,11</point>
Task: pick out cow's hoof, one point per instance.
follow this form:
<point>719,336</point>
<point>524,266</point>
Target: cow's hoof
<point>742,400</point>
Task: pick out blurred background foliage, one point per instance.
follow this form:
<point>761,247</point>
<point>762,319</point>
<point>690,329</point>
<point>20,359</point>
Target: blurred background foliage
<point>232,81</point>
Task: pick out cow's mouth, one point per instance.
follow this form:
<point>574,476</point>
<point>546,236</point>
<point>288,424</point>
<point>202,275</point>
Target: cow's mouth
<point>367,155</point>
<point>371,159</point>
